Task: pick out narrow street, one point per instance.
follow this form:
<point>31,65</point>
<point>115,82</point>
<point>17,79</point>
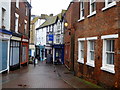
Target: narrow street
<point>41,76</point>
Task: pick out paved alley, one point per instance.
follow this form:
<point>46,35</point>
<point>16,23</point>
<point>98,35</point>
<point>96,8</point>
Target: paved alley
<point>43,76</point>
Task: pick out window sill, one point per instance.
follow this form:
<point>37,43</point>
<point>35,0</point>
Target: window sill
<point>92,14</point>
<point>111,70</point>
<point>80,61</point>
<point>81,19</point>
<point>90,64</point>
<point>109,6</point>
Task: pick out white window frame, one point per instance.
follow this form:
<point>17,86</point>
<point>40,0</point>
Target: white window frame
<point>80,59</point>
<point>89,61</point>
<point>105,66</point>
<point>3,17</point>
<point>26,10</point>
<point>17,3</point>
<point>94,12</point>
<point>107,6</point>
<point>16,22</point>
<point>82,9</point>
<point>25,26</point>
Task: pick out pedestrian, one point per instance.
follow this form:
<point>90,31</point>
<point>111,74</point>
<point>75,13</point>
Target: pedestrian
<point>34,62</point>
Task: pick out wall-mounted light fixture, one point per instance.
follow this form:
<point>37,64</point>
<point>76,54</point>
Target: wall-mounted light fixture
<point>66,24</point>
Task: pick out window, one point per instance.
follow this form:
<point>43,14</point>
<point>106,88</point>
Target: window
<point>81,9</point>
<point>109,3</point>
<point>81,50</point>
<point>92,8</point>
<point>16,22</point>
<point>26,10</point>
<point>108,52</point>
<point>25,26</point>
<point>91,51</point>
<point>3,18</point>
<point>17,3</point>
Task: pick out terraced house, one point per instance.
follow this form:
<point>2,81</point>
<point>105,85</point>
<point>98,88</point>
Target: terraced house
<point>96,52</point>
<point>14,34</point>
<point>20,27</point>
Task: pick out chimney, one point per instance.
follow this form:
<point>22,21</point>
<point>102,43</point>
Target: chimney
<point>51,15</point>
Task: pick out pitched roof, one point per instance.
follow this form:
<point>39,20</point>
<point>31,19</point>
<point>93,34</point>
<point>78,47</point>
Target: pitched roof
<point>61,14</point>
<point>34,20</point>
<point>49,21</point>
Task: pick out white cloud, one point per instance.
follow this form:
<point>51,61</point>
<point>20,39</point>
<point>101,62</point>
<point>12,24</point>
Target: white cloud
<point>49,6</point>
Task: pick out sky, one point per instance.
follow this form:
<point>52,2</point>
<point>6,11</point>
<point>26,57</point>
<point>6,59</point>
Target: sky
<point>49,6</point>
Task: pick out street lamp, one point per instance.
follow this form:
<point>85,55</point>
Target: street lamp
<point>66,24</point>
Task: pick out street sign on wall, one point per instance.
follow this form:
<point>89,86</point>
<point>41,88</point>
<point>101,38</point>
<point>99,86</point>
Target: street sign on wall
<point>50,37</point>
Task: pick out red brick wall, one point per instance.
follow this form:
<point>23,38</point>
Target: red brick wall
<point>21,12</point>
<point>103,23</point>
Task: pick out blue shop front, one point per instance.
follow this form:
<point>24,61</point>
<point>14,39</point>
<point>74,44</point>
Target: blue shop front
<point>5,36</point>
<point>42,53</point>
<point>58,54</point>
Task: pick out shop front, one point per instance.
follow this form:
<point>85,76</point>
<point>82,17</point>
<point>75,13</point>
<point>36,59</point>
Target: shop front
<point>25,51</point>
<point>4,51</point>
<point>58,54</point>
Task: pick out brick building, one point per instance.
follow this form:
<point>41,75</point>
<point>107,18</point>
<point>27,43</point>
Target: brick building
<point>97,46</point>
<point>20,26</point>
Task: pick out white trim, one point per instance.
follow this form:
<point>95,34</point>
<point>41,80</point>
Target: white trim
<point>81,9</point>
<point>16,38</point>
<point>111,70</point>
<point>80,60</point>
<point>3,70</point>
<point>81,39</point>
<point>90,64</point>
<point>106,67</point>
<point>17,3</point>
<point>5,36</point>
<point>109,36</point>
<point>92,14</point>
<point>107,6</point>
<point>92,38</point>
<point>25,40</point>
<point>89,61</point>
<point>25,21</point>
<point>8,58</point>
<point>81,19</point>
<point>16,15</point>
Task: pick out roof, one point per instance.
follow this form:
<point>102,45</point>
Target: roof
<point>61,14</point>
<point>52,19</point>
<point>49,21</point>
<point>34,20</point>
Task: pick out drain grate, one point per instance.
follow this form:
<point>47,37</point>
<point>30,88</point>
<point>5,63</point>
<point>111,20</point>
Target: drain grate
<point>22,85</point>
<point>67,72</point>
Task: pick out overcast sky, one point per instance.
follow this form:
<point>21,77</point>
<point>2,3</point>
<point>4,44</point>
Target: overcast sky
<point>49,6</point>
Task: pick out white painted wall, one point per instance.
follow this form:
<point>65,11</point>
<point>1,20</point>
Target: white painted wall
<point>58,31</point>
<point>41,36</point>
<point>7,6</point>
